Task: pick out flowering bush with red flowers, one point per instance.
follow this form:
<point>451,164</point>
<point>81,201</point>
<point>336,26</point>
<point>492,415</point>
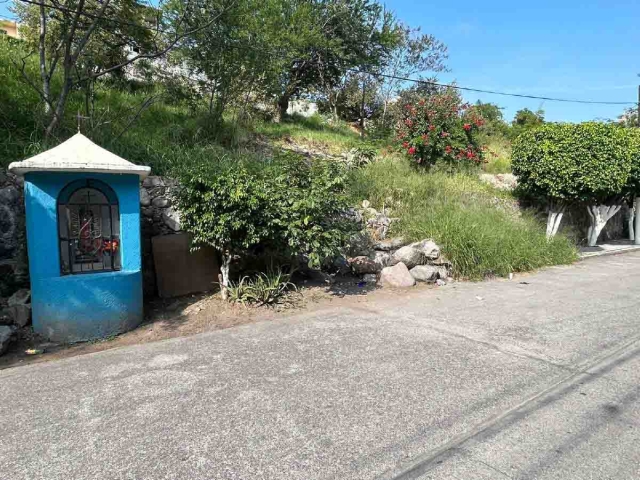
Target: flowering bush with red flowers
<point>441,128</point>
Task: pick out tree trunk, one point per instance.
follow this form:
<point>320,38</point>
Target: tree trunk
<point>384,113</point>
<point>599,215</point>
<point>59,111</point>
<point>556,211</point>
<point>636,209</point>
<point>211,98</point>
<point>46,82</point>
<point>631,217</point>
<point>224,272</point>
<point>283,106</point>
<point>362,121</point>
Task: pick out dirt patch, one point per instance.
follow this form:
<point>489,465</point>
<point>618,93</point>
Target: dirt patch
<point>196,314</point>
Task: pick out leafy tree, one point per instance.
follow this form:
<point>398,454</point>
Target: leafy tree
<point>526,119</point>
<point>494,124</point>
<point>321,41</point>
<point>79,41</point>
<point>589,163</point>
<point>414,53</point>
<point>288,206</point>
<point>357,96</point>
<point>228,58</point>
<point>629,118</point>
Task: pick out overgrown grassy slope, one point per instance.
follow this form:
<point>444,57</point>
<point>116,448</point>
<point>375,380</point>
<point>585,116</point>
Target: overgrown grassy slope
<point>477,227</point>
<point>478,230</point>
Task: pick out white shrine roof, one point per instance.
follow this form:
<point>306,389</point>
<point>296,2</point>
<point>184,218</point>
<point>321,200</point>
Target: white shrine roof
<point>78,154</point>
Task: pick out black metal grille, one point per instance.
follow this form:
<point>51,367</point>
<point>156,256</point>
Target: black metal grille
<point>89,228</point>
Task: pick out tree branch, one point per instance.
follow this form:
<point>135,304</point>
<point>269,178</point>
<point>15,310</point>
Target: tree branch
<point>145,105</point>
<point>163,51</point>
<point>29,81</point>
<point>92,27</point>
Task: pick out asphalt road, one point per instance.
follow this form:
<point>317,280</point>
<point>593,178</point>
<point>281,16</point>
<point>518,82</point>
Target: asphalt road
<point>496,380</point>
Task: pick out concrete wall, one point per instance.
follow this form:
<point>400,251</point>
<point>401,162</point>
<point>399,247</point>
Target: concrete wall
<point>82,306</point>
<point>9,28</point>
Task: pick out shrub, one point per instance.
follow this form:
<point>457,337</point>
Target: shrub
<point>286,205</point>
<point>564,163</point>
<point>441,128</point>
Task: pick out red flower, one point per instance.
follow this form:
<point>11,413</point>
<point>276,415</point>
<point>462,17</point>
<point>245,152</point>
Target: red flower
<point>432,128</point>
<point>412,151</point>
<point>405,144</point>
<point>408,122</point>
<point>448,149</point>
<point>467,126</point>
<point>445,134</point>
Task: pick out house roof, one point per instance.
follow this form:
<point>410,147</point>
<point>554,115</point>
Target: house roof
<point>78,154</point>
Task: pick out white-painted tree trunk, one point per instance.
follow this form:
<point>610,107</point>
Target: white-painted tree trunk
<point>599,215</point>
<point>553,219</point>
<point>224,271</point>
<point>631,218</point>
<point>636,209</point>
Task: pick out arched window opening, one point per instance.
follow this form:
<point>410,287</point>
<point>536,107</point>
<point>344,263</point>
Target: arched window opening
<point>89,228</point>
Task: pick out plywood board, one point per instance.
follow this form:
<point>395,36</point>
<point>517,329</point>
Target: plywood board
<point>180,271</point>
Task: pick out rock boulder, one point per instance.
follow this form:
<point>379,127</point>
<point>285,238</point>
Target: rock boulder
<point>409,255</point>
<point>390,244</point>
<point>397,276</point>
<point>425,273</point>
<point>17,315</point>
<point>362,265</point>
<point>21,297</point>
<point>428,247</point>
<point>5,337</point>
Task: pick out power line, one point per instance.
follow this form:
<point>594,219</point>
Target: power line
<point>493,92</point>
<point>377,74</point>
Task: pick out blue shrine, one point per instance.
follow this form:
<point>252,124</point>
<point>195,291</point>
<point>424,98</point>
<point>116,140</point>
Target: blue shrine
<point>83,237</point>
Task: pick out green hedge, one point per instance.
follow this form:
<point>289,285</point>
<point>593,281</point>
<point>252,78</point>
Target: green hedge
<point>590,162</point>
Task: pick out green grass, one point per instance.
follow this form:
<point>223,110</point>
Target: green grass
<point>473,223</point>
<point>498,156</point>
<point>313,131</point>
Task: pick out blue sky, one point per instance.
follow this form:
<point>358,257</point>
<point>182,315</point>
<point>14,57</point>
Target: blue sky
<point>587,50</point>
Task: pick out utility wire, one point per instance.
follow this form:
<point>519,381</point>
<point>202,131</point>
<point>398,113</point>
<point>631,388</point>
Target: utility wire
<point>493,92</point>
<point>359,71</point>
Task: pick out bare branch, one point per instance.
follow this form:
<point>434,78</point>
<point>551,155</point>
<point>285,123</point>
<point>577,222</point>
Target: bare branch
<point>89,31</point>
<point>161,52</point>
<point>28,80</point>
<point>145,105</point>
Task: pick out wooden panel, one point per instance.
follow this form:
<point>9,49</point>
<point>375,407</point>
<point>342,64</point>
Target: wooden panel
<point>179,271</point>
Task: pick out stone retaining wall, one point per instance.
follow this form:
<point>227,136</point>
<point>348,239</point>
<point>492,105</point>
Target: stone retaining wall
<point>14,267</point>
<point>159,217</point>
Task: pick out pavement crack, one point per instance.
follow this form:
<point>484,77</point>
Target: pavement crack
<point>495,469</point>
<point>493,346</point>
